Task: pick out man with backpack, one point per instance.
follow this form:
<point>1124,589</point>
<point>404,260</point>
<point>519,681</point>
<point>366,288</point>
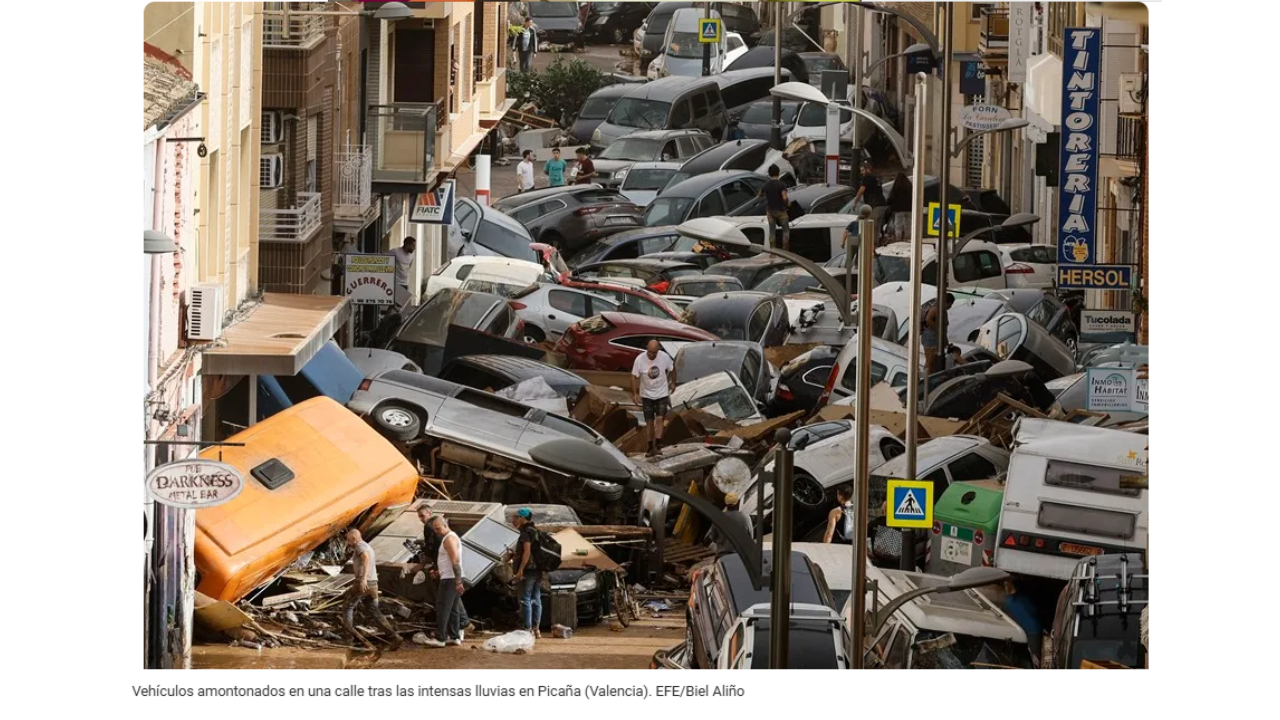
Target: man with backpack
<point>536,553</point>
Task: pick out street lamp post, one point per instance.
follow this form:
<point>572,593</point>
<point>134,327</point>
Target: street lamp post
<point>969,579</point>
<point>917,255</point>
<point>944,174</point>
<point>780,572</point>
<point>862,469</point>
<point>775,132</point>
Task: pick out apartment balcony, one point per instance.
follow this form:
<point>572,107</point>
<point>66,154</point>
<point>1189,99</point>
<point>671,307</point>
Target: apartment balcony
<point>993,34</point>
<point>353,205</point>
<point>403,142</point>
<point>282,29</point>
<point>483,68</point>
<point>294,225</point>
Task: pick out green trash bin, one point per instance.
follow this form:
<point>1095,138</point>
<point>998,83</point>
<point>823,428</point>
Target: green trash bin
<point>965,522</point>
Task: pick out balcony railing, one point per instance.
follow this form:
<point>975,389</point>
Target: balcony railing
<point>1131,137</point>
<point>295,225</point>
<point>993,34</point>
<point>283,29</point>
<point>355,178</point>
<point>404,141</point>
<point>483,67</point>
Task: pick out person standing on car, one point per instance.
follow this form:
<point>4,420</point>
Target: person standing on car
<point>898,223</point>
<point>840,521</point>
<point>404,261</point>
<point>776,207</point>
<point>555,169</point>
<point>929,333</point>
<point>585,172</point>
<point>526,44</point>
<point>450,588</point>
<point>426,559</point>
<point>653,379</point>
<point>524,173</point>
<point>364,590</point>
<point>870,192</point>
<point>527,573</point>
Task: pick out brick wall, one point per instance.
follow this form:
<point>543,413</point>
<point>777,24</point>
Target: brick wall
<point>1146,230</point>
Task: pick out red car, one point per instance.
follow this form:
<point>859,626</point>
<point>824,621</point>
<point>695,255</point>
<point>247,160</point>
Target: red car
<point>611,341</point>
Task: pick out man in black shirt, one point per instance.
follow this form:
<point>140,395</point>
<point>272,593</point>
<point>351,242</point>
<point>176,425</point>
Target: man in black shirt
<point>870,193</point>
<point>776,203</point>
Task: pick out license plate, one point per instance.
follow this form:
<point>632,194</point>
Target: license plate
<point>957,551</point>
<point>1073,549</point>
<point>619,221</point>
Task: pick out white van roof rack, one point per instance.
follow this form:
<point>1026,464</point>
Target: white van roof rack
<point>1088,601</point>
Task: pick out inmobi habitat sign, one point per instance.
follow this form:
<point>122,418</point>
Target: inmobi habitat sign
<point>1115,390</point>
<point>370,279</point>
<point>1077,193</point>
<point>194,484</point>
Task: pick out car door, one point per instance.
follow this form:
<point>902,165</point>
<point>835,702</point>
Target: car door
<point>971,466</point>
<point>981,268</point>
<point>711,205</point>
<point>599,305</point>
<point>656,244</point>
<point>735,654</point>
<point>686,146</point>
<point>738,193</point>
<point>466,217</point>
<point>565,307</point>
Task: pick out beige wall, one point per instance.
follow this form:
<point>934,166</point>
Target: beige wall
<point>170,26</point>
<point>228,68</point>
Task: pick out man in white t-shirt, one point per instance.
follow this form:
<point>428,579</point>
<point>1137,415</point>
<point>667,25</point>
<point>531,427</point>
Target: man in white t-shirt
<point>524,173</point>
<point>364,591</point>
<point>404,261</point>
<point>653,379</point>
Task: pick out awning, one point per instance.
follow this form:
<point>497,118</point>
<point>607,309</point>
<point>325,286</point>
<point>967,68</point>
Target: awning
<point>468,146</point>
<point>489,120</point>
<point>279,337</point>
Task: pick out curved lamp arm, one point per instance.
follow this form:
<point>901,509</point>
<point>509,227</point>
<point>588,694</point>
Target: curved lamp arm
<point>1007,125</point>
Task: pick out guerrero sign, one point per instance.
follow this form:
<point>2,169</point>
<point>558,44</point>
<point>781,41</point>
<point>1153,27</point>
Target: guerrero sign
<point>1077,194</point>
<point>194,484</point>
<point>370,279</point>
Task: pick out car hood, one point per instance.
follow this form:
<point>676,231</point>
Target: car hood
<point>685,67</point>
<point>555,23</point>
<point>612,166</point>
<point>690,392</point>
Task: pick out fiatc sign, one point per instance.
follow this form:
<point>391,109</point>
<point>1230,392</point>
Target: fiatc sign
<point>1077,194</point>
<point>370,279</point>
<point>194,484</point>
<point>435,207</point>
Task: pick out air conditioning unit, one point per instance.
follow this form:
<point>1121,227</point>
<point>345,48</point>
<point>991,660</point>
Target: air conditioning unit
<point>271,171</point>
<point>1132,94</point>
<point>204,311</point>
<point>272,127</point>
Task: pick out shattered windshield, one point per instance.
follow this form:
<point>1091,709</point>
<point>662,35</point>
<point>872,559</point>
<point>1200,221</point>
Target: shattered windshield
<point>731,403</point>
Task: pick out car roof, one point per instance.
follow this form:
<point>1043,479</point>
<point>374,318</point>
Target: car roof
<point>704,277</point>
<point>715,156</point>
<point>615,90</point>
<point>729,77</point>
<point>635,321</point>
<point>516,366</point>
<point>497,217</point>
<point>819,54</point>
<point>746,346</point>
<point>744,594</point>
<point>815,191</point>
<point>669,88</point>
<point>638,233</point>
<point>524,198</point>
<point>657,165</point>
<point>933,452</point>
<point>660,134</point>
<point>732,301</point>
<point>698,184</point>
<point>646,262</point>
<point>763,259</point>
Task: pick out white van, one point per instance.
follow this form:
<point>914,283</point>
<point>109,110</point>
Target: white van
<point>889,363</point>
<point>978,265</point>
<point>1071,492</point>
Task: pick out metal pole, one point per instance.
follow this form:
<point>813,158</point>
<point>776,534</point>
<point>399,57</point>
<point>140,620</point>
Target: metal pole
<point>943,261</point>
<point>833,142</point>
<point>855,172</point>
<point>848,271</point>
<point>866,247</point>
<point>483,179</point>
<point>913,369</point>
<point>775,132</point>
<point>780,572</point>
<point>706,47</point>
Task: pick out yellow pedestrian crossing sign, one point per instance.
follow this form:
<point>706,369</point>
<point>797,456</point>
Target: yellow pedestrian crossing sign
<point>709,30</point>
<point>910,504</point>
<point>953,220</point>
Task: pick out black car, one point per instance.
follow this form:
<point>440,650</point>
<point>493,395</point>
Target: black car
<point>812,199</point>
<point>559,23</point>
<point>715,193</point>
<point>702,260</point>
<point>741,87</point>
<point>722,591</point>
<point>757,120</point>
<point>737,18</point>
<point>596,109</point>
<point>571,217</point>
<point>585,583</point>
<point>641,242</point>
<point>792,40</point>
<point>495,372</point>
<point>749,155</point>
<point>452,323</point>
<point>819,62</point>
<point>740,18</point>
<point>1099,613</point>
<point>616,22</point>
<point>743,359</point>
<point>964,396</point>
<point>802,381</point>
<point>741,315</point>
<point>762,57</point>
<point>751,271</point>
<point>1046,310</point>
<point>972,216</point>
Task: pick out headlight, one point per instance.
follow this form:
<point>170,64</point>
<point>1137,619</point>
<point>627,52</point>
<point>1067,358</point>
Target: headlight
<point>587,583</point>
<point>595,136</point>
<point>621,175</point>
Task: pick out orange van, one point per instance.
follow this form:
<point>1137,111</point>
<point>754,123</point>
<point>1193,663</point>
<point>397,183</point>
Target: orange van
<point>310,471</point>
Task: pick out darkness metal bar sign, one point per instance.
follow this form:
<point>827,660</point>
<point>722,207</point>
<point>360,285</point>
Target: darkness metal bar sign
<point>1077,192</point>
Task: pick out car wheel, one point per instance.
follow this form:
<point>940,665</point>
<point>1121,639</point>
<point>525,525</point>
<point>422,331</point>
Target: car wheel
<point>619,36</point>
<point>603,491</point>
<point>1072,343</point>
<point>397,422</point>
<point>534,335</point>
<point>808,491</point>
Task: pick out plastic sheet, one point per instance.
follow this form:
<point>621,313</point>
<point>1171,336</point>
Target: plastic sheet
<point>535,388</point>
<point>513,642</point>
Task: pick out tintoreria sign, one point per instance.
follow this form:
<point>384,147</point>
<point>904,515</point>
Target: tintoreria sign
<point>194,484</point>
<point>1077,192</point>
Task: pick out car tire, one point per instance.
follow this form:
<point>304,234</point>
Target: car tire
<point>808,492</point>
<point>603,491</point>
<point>397,422</point>
<point>534,335</point>
<point>618,36</point>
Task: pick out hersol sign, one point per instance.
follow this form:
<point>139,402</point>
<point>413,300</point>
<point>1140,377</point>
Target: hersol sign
<point>194,484</point>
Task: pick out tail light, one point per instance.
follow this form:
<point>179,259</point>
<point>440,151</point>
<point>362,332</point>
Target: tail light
<point>518,305</point>
<point>986,558</point>
<point>784,393</point>
<point>364,384</point>
<point>583,212</point>
<point>1019,269</point>
<point>978,537</point>
<point>660,286</point>
<point>831,384</point>
<point>937,528</point>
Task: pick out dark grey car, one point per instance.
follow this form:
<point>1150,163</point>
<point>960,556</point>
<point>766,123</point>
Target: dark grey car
<point>596,109</point>
<point>571,217</point>
<point>742,315</point>
<point>742,358</point>
<point>756,121</point>
<point>709,195</point>
<point>614,161</point>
